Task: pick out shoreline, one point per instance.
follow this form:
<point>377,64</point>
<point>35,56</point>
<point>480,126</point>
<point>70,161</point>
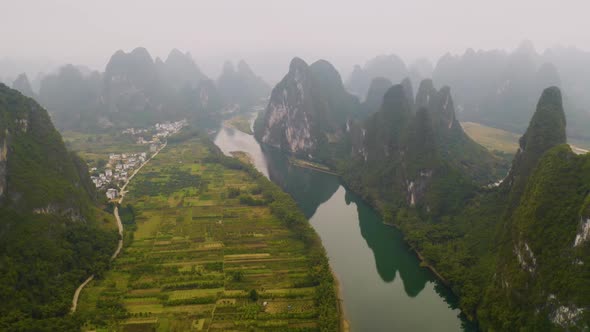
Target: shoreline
<point>344,325</point>
<point>421,258</point>
<point>308,165</point>
<point>228,123</point>
<point>423,262</point>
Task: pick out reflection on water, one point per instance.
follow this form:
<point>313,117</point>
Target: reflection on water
<point>383,285</point>
<point>384,241</point>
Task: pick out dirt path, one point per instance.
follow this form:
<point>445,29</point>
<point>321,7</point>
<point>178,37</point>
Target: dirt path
<point>119,226</point>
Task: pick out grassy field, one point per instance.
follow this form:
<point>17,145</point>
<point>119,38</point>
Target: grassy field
<point>492,138</point>
<point>242,123</point>
<point>505,141</point>
<point>205,251</point>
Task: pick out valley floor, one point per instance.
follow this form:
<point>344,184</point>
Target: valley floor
<point>207,254</point>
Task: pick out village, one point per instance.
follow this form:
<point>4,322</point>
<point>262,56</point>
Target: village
<point>120,166</point>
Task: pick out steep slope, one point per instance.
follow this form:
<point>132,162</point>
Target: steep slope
<point>374,98</point>
<point>139,91</point>
<point>307,111</point>
<point>515,254</point>
<point>71,97</point>
<point>547,213</point>
<point>23,85</point>
<point>402,158</point>
<point>131,85</point>
<point>546,130</point>
<point>242,86</point>
<point>541,279</point>
<point>49,233</point>
<point>136,91</point>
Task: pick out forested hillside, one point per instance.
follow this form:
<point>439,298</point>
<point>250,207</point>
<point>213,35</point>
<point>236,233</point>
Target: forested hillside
<point>52,235</point>
<point>513,247</point>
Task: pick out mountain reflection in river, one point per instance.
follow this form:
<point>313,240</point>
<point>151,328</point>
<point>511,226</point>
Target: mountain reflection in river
<point>383,285</point>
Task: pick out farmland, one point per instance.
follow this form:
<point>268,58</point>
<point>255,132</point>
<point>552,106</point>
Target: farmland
<point>211,245</point>
<point>241,122</point>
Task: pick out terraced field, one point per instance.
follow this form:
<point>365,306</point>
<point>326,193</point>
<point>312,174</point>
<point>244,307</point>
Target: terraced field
<point>205,251</point>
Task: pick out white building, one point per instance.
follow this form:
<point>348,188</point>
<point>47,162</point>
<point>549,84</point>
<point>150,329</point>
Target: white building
<point>112,193</point>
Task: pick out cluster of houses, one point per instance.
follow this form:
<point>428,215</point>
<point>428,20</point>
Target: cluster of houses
<point>156,134</point>
<point>117,171</point>
<point>121,165</point>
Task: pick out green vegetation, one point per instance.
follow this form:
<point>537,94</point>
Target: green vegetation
<point>95,148</point>
<point>215,246</point>
<point>323,107</point>
<point>492,138</point>
<point>508,251</point>
<point>242,123</point>
<point>242,156</point>
<point>52,235</point>
<point>311,165</point>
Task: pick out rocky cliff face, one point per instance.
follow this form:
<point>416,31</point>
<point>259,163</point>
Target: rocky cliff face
<point>546,130</point>
<point>546,214</point>
<point>131,82</point>
<point>136,90</point>
<point>409,151</point>
<point>52,235</point>
<point>36,171</point>
<point>307,109</point>
<point>374,98</point>
<point>140,91</point>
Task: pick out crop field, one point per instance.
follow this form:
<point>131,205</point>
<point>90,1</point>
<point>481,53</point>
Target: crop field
<point>95,148</point>
<point>203,252</point>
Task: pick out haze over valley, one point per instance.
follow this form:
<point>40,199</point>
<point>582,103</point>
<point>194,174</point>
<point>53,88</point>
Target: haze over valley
<point>305,166</point>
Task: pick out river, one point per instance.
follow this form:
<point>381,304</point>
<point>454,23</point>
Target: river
<point>382,283</point>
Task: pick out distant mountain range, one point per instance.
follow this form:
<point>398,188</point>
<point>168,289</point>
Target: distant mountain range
<point>496,88</point>
<point>136,90</point>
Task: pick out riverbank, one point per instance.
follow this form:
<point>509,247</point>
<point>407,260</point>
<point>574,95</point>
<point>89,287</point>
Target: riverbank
<point>311,165</point>
<point>221,254</point>
<point>344,324</point>
<point>375,259</point>
<point>241,123</point>
<point>423,262</point>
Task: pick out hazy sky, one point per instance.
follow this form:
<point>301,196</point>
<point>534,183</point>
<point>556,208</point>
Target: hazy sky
<point>342,31</point>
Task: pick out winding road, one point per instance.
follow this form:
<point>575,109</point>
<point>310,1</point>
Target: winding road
<point>119,226</point>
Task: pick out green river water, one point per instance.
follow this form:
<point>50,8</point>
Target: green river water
<point>383,286</point>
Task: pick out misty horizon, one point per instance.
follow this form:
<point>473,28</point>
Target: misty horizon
<point>268,35</point>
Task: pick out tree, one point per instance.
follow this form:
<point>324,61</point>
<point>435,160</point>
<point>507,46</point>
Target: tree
<point>253,295</point>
